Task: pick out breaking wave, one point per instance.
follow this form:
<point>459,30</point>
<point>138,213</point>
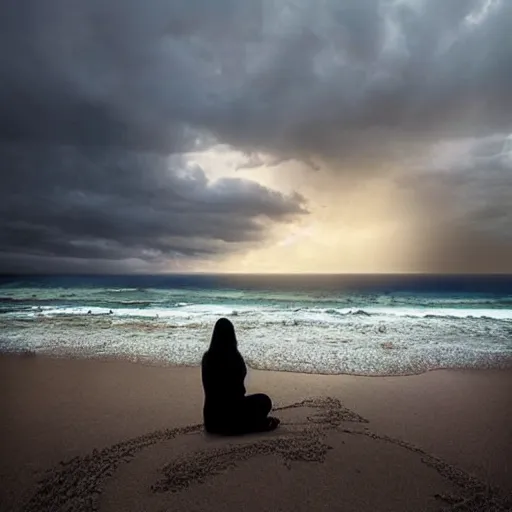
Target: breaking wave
<point>370,333</point>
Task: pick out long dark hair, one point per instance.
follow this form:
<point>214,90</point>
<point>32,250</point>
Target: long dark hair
<point>223,338</point>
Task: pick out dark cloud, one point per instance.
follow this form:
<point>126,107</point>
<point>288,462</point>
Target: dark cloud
<point>97,204</point>
<point>115,72</point>
<point>92,90</point>
<point>330,77</point>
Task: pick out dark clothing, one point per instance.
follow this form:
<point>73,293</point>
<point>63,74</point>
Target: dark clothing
<point>226,408</point>
<point>246,415</point>
<point>223,376</point>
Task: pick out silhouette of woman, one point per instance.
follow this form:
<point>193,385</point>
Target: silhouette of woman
<point>227,410</point>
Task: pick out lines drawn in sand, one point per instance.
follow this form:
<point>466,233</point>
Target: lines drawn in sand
<point>77,484</point>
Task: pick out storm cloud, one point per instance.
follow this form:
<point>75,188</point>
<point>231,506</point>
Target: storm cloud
<point>283,76</point>
<point>102,100</point>
<point>97,204</point>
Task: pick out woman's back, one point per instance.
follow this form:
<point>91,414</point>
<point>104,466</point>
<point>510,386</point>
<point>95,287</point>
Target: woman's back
<point>223,376</point>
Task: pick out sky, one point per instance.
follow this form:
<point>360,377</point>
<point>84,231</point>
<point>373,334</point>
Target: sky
<point>256,136</point>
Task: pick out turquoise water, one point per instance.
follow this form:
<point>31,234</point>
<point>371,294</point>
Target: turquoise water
<point>373,325</point>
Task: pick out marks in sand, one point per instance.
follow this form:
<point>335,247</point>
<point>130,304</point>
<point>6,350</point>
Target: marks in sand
<point>76,485</point>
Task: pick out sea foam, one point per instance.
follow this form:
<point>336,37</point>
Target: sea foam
<point>321,331</point>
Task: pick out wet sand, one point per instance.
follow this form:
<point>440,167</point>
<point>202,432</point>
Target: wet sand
<point>111,435</point>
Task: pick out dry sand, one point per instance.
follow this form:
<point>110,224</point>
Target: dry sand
<point>92,435</point>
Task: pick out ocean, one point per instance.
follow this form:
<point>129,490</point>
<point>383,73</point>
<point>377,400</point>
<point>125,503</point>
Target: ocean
<point>329,324</point>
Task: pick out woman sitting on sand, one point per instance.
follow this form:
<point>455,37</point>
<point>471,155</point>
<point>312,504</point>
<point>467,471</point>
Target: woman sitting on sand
<point>226,409</point>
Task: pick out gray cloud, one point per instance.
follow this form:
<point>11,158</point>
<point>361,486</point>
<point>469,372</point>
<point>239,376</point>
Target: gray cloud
<point>92,90</point>
<point>324,77</point>
<point>101,204</point>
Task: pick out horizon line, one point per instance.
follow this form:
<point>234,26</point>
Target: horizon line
<point>194,273</point>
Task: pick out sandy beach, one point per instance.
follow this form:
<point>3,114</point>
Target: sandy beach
<point>113,435</point>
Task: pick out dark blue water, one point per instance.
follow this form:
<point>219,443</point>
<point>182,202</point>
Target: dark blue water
<point>370,283</point>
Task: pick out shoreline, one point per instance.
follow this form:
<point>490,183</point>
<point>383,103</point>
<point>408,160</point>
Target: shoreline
<point>504,363</point>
